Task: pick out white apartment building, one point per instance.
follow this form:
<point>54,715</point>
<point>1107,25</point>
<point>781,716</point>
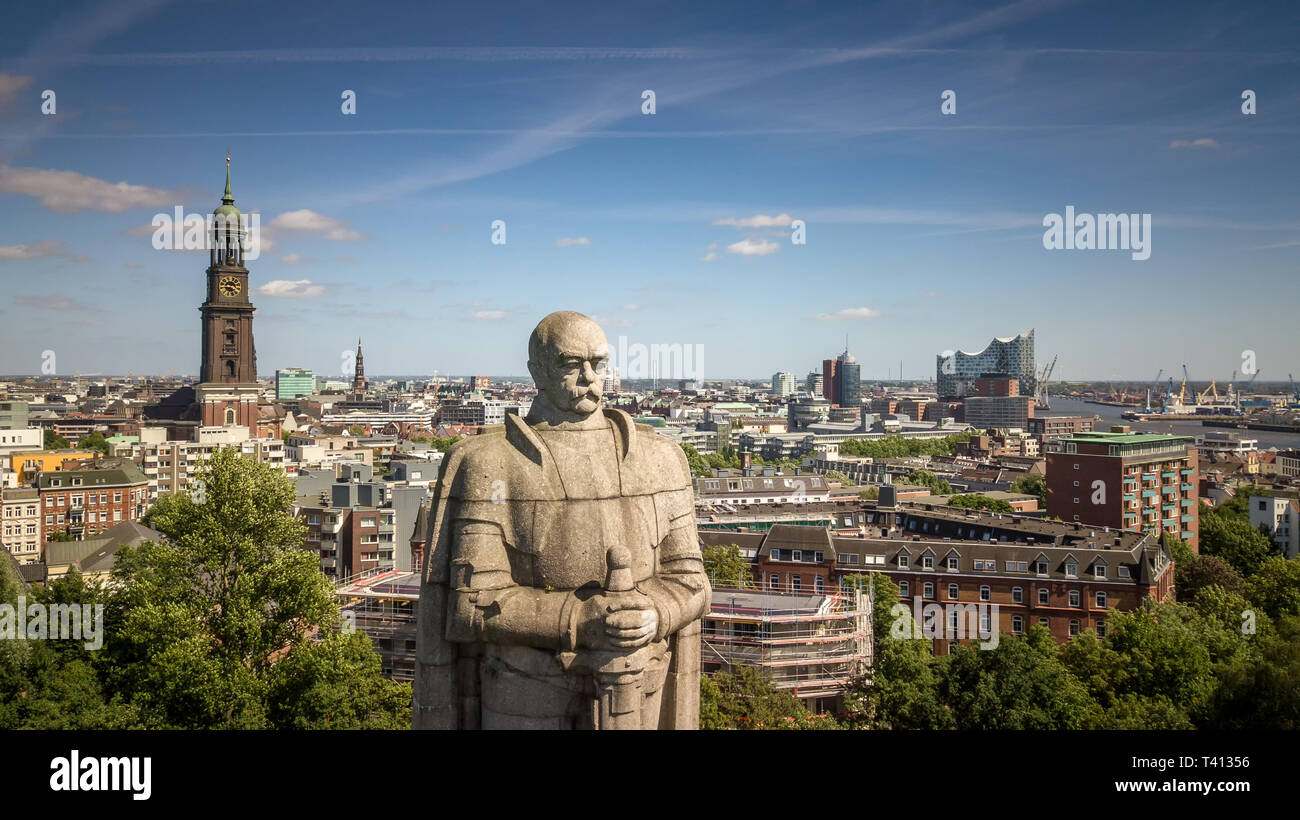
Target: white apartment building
<point>783,384</point>
<point>20,440</point>
<point>1281,517</point>
<point>20,520</point>
<point>169,464</point>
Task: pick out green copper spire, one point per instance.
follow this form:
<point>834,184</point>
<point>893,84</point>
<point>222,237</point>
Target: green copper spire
<point>227,206</point>
<point>228,197</point>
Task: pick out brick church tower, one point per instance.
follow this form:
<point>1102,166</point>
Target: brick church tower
<point>227,392</point>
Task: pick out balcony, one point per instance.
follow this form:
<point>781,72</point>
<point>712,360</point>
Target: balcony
<point>328,563</point>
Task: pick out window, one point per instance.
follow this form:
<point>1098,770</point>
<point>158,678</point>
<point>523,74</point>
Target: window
<point>902,560</point>
<point>986,623</point>
<point>1101,629</point>
<point>796,555</point>
<point>1042,622</point>
<point>904,589</point>
<point>1074,627</point>
<point>776,555</point>
<point>1017,595</point>
<point>952,592</point>
<point>1071,569</point>
<point>927,591</point>
<point>1099,570</point>
<point>1042,596</point>
<point>819,584</point>
<point>927,562</point>
<point>1101,600</point>
<point>117,497</point>
<point>1074,597</point>
<point>1123,572</point>
<point>986,593</point>
<point>774,581</point>
<point>952,562</point>
<point>819,556</point>
<point>1017,624</point>
<point>796,582</point>
<point>1040,567</point>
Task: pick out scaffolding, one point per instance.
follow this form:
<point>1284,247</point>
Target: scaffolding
<point>814,645</point>
<point>382,604</point>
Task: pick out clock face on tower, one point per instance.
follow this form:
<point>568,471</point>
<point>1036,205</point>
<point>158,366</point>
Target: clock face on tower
<point>230,286</point>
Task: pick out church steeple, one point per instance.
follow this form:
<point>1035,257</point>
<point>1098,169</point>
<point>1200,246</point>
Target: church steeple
<point>359,378</point>
<point>227,229</point>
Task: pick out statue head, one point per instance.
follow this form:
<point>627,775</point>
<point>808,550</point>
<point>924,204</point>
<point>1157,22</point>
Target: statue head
<point>567,357</point>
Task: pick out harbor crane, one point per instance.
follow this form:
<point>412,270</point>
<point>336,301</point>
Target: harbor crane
<point>1042,399</point>
<point>1152,389</point>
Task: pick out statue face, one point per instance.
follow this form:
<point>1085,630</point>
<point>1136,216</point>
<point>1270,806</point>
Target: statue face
<point>573,369</point>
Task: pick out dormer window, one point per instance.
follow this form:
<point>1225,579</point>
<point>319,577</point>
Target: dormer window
<point>1071,569</point>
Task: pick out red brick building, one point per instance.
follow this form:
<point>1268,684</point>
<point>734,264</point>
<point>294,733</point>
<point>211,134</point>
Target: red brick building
<point>84,503</point>
<point>1066,577</point>
<point>1131,481</point>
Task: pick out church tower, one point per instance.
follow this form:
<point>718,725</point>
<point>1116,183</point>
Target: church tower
<point>359,377</point>
<point>228,391</point>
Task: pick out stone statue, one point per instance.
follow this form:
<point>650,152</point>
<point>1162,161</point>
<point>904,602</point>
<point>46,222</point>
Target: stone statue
<point>563,585</point>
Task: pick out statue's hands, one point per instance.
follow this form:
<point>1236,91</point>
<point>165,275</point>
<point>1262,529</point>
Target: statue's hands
<point>624,620</point>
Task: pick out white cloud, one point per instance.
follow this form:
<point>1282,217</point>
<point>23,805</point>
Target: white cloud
<point>50,303</point>
<point>40,249</point>
<point>753,247</point>
<point>10,85</point>
<point>1204,142</point>
<point>758,221</point>
<point>565,242</point>
<point>849,313</point>
<point>710,257</point>
<point>69,191</point>
<point>605,321</point>
<point>286,289</point>
<point>712,246</point>
<point>308,221</point>
<point>294,259</point>
<point>488,315</point>
<point>632,307</point>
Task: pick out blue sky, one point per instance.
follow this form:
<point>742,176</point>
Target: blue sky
<point>924,231</point>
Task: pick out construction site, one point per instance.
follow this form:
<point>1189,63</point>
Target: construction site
<point>815,646</point>
<point>382,603</point>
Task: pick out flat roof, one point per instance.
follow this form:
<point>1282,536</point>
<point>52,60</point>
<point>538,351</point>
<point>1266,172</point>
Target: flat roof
<point>1126,438</point>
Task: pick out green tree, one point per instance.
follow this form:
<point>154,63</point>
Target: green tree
<point>925,478</point>
<point>870,493</point>
<point>695,461</point>
<point>1227,534</point>
<point>726,567</point>
<point>1019,684</point>
<point>54,441</point>
<point>978,501</point>
<point>746,699</point>
<point>1032,484</point>
<point>1275,587</point>
<point>1194,573</point>
<point>93,440</point>
<point>229,622</point>
<point>903,692</point>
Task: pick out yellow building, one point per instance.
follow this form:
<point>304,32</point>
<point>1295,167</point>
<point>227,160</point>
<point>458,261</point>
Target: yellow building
<point>27,464</point>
